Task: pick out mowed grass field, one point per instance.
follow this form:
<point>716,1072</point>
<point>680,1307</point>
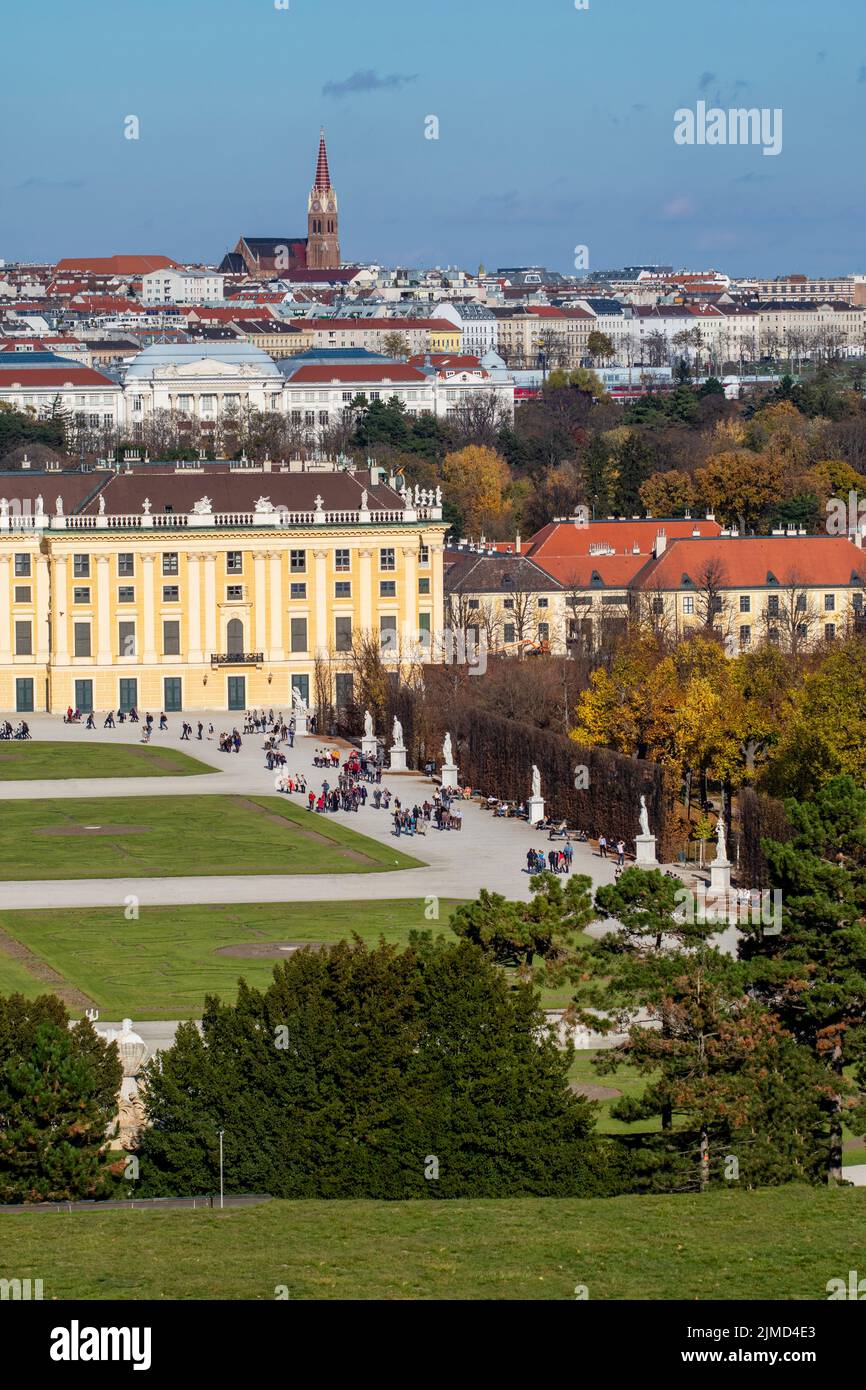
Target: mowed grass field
<point>163,837</point>
<point>29,761</point>
<point>163,964</point>
<point>774,1244</point>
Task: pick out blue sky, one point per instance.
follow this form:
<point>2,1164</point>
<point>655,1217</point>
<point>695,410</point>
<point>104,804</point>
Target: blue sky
<point>556,129</point>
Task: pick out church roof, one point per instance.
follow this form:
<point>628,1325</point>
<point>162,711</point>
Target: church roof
<point>323,174</point>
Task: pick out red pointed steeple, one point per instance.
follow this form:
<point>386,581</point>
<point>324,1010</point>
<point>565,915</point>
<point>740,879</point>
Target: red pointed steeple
<point>323,175</point>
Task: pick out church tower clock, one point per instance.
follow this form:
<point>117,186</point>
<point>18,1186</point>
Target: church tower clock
<point>323,243</point>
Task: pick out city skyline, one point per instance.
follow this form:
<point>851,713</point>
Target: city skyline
<point>511,178</point>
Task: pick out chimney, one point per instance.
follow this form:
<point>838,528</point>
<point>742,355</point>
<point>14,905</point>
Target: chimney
<point>517,544</point>
<point>661,544</point>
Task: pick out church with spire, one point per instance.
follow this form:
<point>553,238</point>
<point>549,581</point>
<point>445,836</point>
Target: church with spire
<point>267,258</point>
<point>323,234</point>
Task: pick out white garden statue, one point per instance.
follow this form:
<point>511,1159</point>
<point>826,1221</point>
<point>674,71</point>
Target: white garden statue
<point>644,817</point>
<point>447,752</point>
<point>397,733</point>
<point>368,724</point>
<point>536,781</point>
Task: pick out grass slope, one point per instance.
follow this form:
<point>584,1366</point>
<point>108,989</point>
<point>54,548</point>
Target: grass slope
<point>164,837</point>
<point>163,964</point>
<point>776,1244</point>
<point>23,762</point>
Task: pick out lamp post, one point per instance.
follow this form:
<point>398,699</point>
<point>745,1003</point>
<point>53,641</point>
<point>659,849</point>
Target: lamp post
<point>221,1133</point>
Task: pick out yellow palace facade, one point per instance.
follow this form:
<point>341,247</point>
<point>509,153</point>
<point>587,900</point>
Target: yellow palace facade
<point>214,587</point>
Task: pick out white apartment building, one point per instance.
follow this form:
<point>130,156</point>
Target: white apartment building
<point>182,287</point>
<point>477,323</point>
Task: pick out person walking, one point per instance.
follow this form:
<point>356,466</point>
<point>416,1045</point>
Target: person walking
<point>602,846</point>
<point>620,853</point>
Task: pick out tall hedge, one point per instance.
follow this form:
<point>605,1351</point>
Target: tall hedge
<point>760,818</point>
<point>497,756</point>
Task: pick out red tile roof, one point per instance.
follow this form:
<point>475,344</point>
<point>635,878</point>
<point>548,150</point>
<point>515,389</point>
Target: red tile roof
<point>757,562</point>
<point>105,304</point>
<point>116,265</point>
<point>376,372</point>
<point>563,539</point>
<point>582,571</point>
<point>217,313</point>
<point>39,379</point>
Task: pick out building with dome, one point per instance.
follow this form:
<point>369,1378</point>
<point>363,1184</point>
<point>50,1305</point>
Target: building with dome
<point>201,380</point>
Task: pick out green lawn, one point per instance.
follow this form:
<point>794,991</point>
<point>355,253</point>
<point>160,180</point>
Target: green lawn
<point>16,979</point>
<point>162,965</point>
<point>626,1079</point>
<point>162,837</point>
<point>775,1244</point>
<point>23,762</point>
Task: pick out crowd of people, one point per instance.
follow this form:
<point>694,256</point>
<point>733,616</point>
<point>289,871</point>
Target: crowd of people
<point>349,792</point>
<point>21,730</point>
<point>258,722</point>
<point>555,861</point>
<point>441,812</point>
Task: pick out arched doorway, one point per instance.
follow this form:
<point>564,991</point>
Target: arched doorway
<point>235,637</point>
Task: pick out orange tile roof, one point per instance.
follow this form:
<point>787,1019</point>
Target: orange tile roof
<point>116,265</point>
<point>564,538</point>
<point>757,562</point>
<point>585,571</point>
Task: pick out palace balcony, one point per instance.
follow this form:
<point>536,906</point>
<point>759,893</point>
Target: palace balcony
<point>237,658</point>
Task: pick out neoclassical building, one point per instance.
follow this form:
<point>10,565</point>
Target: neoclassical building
<point>219,586</point>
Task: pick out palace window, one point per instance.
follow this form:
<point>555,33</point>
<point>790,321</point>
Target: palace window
<point>342,561</point>
<point>235,562</point>
<point>126,639</point>
<point>298,591</point>
<point>22,593</point>
<point>81,566</point>
<point>234,592</point>
<point>343,589</point>
<point>80,595</point>
<point>388,588</point>
<point>22,566</point>
<point>387,559</point>
<point>170,593</point>
<point>23,639</point>
<point>126,594</point>
<point>298,561</point>
<point>171,637</point>
<point>125,566</point>
<point>298,634</point>
<point>81,639</point>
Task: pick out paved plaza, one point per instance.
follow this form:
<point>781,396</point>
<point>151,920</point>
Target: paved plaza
<point>489,852</point>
